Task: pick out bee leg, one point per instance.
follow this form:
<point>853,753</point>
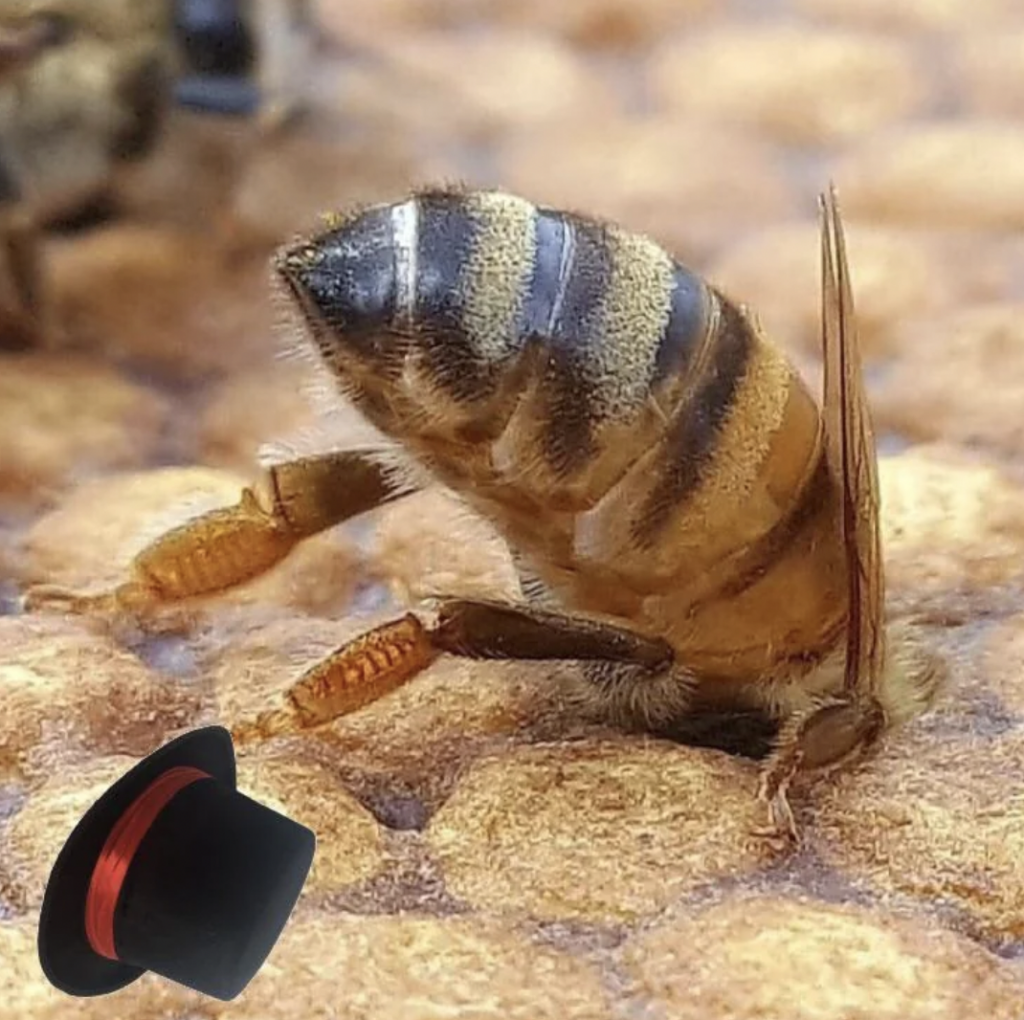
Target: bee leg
<point>481,629</point>
<point>826,736</point>
<point>357,674</point>
<point>773,787</point>
<point>31,306</point>
<point>231,545</point>
<point>383,659</point>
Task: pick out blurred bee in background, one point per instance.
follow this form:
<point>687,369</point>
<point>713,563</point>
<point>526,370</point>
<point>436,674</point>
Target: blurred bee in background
<point>20,46</point>
<point>244,57</point>
<point>92,99</point>
<point>688,525</point>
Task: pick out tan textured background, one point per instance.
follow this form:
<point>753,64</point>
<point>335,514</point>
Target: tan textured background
<point>482,853</point>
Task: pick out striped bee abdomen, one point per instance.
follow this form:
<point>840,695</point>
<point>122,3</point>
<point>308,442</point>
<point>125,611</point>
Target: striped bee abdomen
<point>564,341</point>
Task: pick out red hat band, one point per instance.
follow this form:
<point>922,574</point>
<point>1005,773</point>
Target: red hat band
<point>116,856</point>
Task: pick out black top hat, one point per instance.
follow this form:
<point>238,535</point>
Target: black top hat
<point>173,870</point>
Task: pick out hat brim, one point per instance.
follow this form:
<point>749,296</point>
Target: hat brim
<point>68,960</point>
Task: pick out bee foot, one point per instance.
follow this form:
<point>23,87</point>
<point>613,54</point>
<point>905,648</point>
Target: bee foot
<point>128,602</point>
<point>773,793</point>
<point>780,828</point>
<point>54,598</point>
<point>275,723</point>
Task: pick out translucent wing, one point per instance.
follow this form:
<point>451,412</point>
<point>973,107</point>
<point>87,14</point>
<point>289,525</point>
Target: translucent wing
<point>850,445</point>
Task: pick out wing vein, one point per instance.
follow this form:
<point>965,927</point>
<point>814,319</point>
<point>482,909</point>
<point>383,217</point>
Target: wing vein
<point>852,456</point>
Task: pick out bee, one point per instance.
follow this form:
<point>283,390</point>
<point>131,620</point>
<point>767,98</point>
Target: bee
<point>96,101</point>
<point>244,57</point>
<point>689,525</point>
<point>20,46</point>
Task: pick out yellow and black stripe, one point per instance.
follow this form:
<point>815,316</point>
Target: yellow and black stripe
<point>464,282</point>
<point>695,426</point>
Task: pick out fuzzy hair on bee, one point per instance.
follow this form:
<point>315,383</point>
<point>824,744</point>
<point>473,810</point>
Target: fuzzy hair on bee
<point>689,524</point>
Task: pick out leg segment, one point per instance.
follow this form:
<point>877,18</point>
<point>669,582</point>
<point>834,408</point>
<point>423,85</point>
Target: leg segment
<point>383,659</point>
<point>480,629</point>
<point>825,737</point>
<point>33,305</point>
<point>231,545</point>
<point>357,674</point>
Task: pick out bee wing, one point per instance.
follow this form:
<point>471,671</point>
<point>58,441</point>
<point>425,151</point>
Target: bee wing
<point>850,446</point>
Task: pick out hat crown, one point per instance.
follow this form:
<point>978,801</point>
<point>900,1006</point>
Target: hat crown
<point>200,892</point>
<point>210,888</point>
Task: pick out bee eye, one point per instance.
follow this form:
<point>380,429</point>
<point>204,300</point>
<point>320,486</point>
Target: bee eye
<point>214,37</point>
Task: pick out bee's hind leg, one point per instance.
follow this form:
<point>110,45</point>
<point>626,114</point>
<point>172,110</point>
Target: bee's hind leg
<point>379,661</point>
<point>825,736</point>
<point>481,629</point>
